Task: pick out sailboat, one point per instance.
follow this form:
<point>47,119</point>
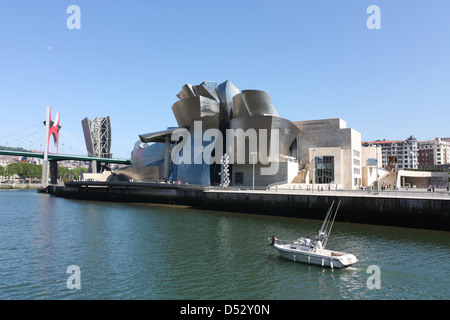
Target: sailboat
<point>305,251</point>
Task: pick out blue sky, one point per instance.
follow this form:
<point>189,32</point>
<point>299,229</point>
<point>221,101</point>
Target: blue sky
<point>317,60</point>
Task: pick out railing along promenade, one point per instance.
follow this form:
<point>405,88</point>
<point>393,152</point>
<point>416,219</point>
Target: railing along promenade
<point>441,194</point>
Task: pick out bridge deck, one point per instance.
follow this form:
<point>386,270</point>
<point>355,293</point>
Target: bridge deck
<point>62,157</point>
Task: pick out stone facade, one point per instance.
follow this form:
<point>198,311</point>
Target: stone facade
<point>321,139</point>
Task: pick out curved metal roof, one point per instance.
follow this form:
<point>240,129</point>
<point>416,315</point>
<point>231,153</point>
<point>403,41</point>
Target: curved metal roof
<point>159,136</point>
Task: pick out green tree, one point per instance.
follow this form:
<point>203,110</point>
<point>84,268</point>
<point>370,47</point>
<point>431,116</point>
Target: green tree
<point>24,170</point>
<point>65,174</point>
<point>75,173</point>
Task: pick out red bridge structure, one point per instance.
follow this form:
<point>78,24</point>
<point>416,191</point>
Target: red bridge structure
<point>51,129</point>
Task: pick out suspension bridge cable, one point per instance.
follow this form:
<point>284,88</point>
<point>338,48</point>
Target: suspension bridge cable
<point>74,142</point>
<point>26,137</point>
<point>40,138</point>
<point>33,126</point>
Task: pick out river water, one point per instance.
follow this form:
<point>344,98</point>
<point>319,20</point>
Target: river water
<point>142,251</point>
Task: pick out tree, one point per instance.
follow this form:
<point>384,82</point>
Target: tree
<point>24,170</point>
<point>75,173</point>
<point>65,174</point>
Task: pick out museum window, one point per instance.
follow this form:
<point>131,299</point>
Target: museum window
<point>324,169</point>
<point>239,178</point>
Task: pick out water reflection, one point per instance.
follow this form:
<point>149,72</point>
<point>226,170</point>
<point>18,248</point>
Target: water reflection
<point>130,251</point>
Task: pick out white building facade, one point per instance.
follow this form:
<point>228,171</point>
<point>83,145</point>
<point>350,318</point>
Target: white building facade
<point>398,154</point>
<point>329,153</point>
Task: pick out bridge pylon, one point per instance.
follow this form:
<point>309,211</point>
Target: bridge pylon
<point>51,130</point>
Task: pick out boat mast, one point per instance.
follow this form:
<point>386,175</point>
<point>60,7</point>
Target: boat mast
<point>328,223</point>
<point>326,220</point>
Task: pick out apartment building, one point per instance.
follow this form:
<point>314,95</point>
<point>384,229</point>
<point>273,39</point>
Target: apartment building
<point>397,153</point>
<point>434,154</point>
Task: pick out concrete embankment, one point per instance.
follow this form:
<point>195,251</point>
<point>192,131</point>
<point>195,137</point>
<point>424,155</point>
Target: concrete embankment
<point>130,192</point>
<point>401,211</point>
<point>18,186</point>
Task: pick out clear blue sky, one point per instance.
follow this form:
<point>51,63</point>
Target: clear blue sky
<point>317,59</point>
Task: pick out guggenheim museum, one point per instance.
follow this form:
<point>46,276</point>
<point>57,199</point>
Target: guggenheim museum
<point>263,148</point>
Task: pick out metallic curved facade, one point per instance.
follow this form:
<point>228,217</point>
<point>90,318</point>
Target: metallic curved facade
<point>223,107</point>
<point>194,108</point>
<point>186,92</point>
<point>159,136</point>
<point>287,135</point>
<point>226,92</point>
<point>259,103</point>
<point>239,107</point>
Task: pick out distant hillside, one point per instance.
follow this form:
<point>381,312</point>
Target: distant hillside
<point>12,148</point>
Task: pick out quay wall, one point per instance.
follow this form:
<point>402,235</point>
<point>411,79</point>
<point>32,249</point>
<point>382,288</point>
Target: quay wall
<point>402,212</point>
<point>392,211</point>
<point>130,192</point>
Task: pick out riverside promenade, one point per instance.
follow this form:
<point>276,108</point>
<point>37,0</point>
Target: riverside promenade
<point>415,208</point>
<point>423,193</point>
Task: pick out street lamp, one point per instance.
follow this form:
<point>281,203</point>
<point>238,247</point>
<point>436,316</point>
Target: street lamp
<point>377,169</point>
<point>313,169</point>
<point>303,177</point>
<point>254,161</point>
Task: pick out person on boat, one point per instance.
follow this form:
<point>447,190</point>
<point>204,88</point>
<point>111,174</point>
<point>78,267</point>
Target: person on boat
<point>318,246</point>
<point>273,241</point>
<point>307,241</point>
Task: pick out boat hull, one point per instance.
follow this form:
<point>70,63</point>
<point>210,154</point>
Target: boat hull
<point>326,258</point>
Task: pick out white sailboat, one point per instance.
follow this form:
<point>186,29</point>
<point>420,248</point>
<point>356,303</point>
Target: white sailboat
<point>303,250</point>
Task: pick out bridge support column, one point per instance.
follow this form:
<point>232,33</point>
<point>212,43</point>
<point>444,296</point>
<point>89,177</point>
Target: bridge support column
<point>54,172</point>
<point>44,180</point>
<point>93,166</point>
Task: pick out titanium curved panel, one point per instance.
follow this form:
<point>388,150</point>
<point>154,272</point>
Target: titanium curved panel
<point>158,136</point>
<point>191,173</point>
<point>207,89</point>
<point>194,108</point>
<point>287,134</point>
<point>251,127</point>
<point>209,107</point>
<point>208,122</point>
<point>186,109</point>
<point>225,92</point>
<point>144,155</point>
<point>186,92</point>
<point>147,163</point>
<point>259,103</point>
<point>196,170</point>
<point>239,107</point>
